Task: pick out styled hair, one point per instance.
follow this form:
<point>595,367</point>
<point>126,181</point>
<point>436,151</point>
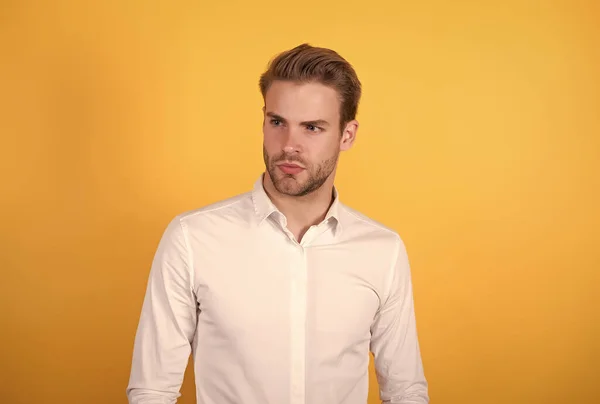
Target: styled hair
<point>306,64</point>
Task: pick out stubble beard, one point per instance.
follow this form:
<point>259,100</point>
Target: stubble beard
<point>288,184</point>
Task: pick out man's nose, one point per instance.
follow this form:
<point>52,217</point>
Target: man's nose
<point>292,141</point>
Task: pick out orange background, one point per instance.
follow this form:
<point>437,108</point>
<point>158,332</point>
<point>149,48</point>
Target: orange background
<point>479,142</point>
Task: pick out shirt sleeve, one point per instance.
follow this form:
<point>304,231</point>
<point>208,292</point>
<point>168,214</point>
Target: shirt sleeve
<point>394,342</point>
<point>167,323</point>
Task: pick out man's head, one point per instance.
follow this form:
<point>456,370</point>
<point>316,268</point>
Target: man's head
<point>311,98</point>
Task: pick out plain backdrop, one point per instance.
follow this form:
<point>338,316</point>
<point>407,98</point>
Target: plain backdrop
<point>479,143</point>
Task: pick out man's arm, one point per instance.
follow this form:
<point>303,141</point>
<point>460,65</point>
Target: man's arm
<point>167,323</point>
<point>394,340</point>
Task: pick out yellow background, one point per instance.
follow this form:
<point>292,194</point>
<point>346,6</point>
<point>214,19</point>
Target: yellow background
<point>479,142</point>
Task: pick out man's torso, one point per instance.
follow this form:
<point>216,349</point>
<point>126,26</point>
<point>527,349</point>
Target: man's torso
<point>281,321</point>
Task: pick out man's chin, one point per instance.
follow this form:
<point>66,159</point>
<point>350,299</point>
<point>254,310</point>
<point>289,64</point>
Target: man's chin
<point>289,186</point>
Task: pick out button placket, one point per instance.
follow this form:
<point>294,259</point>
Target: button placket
<point>298,324</point>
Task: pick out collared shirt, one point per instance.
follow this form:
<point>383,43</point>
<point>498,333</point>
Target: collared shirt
<point>270,320</point>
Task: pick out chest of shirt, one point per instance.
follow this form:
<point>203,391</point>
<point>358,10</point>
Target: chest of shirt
<point>256,280</point>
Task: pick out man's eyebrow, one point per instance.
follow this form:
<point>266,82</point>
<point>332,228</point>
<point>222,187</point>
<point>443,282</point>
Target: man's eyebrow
<point>275,116</point>
<point>317,122</point>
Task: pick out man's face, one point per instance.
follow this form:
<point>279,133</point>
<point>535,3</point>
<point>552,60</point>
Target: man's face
<point>302,139</point>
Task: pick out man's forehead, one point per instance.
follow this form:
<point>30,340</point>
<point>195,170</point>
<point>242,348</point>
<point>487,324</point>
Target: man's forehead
<point>307,101</point>
<point>301,89</point>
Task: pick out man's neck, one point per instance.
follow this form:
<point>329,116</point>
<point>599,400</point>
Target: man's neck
<point>301,212</point>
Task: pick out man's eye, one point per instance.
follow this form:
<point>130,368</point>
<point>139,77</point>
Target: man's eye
<point>312,128</point>
<point>275,122</point>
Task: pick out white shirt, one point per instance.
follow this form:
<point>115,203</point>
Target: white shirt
<point>273,321</point>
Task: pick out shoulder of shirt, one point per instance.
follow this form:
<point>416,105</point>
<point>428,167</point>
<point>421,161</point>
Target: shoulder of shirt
<point>218,207</point>
<point>358,218</point>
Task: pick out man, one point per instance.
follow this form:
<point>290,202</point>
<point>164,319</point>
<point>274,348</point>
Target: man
<point>281,292</point>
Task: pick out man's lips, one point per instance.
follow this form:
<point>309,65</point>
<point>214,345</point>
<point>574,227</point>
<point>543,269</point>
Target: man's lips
<point>290,168</point>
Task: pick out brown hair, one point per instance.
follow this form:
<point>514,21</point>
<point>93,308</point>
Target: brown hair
<point>306,63</point>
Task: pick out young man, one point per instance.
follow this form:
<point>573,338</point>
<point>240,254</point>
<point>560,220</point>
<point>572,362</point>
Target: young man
<point>281,292</point>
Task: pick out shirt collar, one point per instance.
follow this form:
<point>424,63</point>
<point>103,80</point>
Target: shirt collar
<point>264,207</point>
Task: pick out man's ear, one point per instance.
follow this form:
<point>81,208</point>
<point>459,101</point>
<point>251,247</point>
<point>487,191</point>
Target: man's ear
<point>349,135</point>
